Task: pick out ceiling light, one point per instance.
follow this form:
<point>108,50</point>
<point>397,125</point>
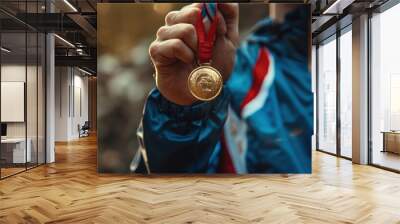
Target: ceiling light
<point>79,51</point>
<point>337,7</point>
<point>84,71</point>
<point>65,41</point>
<point>70,5</point>
<point>5,50</point>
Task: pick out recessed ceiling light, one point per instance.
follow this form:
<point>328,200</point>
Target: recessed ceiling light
<point>337,7</point>
<point>64,40</point>
<point>70,5</point>
<point>5,50</point>
<point>84,71</point>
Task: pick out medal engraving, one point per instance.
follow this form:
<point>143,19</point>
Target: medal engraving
<point>205,83</point>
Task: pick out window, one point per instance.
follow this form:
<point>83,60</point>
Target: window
<point>327,96</point>
<point>346,93</point>
<point>385,89</point>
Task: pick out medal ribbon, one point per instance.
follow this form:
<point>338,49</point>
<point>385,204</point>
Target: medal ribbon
<point>206,40</point>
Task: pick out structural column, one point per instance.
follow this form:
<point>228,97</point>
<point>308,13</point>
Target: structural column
<point>360,90</point>
<point>50,99</point>
<point>50,92</point>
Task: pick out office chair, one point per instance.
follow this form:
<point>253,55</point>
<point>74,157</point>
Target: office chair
<point>84,130</point>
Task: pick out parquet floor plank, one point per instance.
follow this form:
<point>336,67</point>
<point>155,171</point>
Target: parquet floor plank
<point>71,191</point>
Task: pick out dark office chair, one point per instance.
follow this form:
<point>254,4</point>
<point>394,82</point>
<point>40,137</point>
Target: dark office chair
<point>84,130</point>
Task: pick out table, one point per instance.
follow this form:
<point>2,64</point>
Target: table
<point>391,141</point>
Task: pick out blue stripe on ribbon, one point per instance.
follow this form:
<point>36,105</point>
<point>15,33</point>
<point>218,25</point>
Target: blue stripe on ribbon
<point>209,10</point>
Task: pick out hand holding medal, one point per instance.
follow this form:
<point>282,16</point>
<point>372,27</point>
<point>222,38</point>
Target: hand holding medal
<point>194,51</point>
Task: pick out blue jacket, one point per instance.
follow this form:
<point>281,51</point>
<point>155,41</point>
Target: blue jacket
<point>269,97</point>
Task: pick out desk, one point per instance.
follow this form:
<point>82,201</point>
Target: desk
<point>13,150</point>
<point>391,141</point>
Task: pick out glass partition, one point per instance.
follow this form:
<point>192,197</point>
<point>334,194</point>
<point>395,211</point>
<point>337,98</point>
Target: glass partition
<point>15,151</point>
<point>23,91</point>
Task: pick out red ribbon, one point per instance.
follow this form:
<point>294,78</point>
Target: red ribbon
<point>206,41</point>
<point>260,73</point>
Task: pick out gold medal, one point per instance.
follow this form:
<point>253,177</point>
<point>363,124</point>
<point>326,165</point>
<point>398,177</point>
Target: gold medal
<point>205,82</point>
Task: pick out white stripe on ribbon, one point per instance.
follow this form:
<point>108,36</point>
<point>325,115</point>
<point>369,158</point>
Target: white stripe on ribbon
<point>259,101</point>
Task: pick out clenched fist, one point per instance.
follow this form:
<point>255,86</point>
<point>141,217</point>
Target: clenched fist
<point>174,52</point>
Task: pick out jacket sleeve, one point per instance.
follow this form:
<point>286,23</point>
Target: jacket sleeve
<point>274,99</point>
<point>178,139</point>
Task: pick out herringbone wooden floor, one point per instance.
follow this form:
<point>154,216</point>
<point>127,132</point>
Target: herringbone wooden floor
<point>70,191</point>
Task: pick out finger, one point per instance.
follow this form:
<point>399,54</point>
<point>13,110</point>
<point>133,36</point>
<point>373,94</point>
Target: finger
<point>187,15</point>
<point>221,26</point>
<point>183,31</point>
<point>230,12</point>
<point>194,5</point>
<point>230,9</point>
<point>169,51</point>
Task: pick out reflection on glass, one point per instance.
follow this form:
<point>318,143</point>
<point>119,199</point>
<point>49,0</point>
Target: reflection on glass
<point>327,96</point>
<point>346,94</point>
<point>385,86</point>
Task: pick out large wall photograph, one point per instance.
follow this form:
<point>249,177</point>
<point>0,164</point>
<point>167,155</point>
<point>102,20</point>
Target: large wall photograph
<point>204,88</point>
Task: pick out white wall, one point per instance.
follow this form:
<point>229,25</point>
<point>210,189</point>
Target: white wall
<point>70,83</point>
<point>62,81</point>
<point>80,102</point>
